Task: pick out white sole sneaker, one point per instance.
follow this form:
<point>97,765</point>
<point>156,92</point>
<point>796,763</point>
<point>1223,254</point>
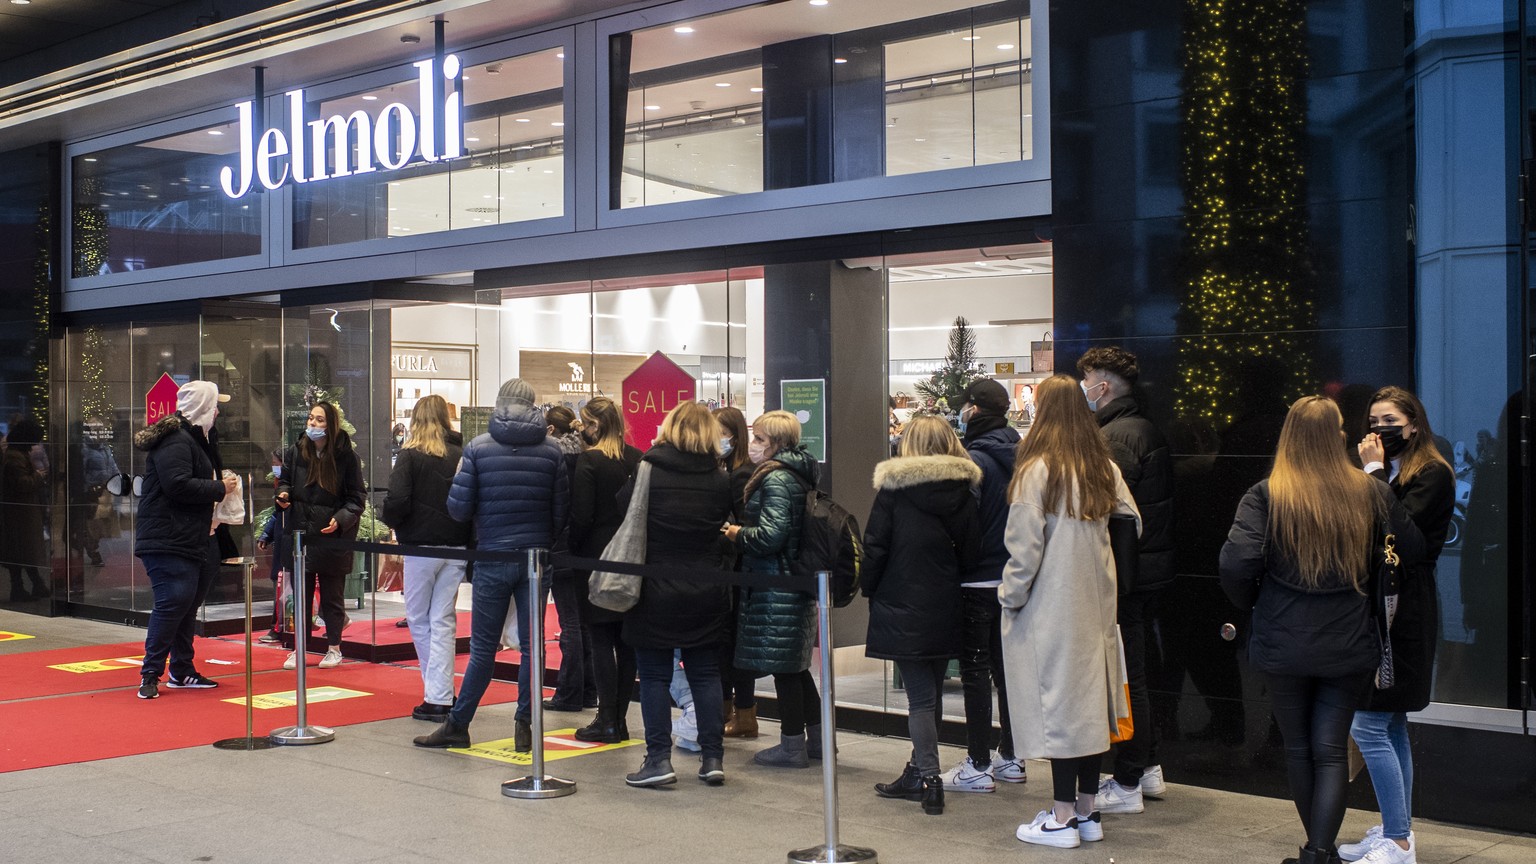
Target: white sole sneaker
<point>291,662</point>
<point>965,778</point>
<point>1046,831</point>
<point>1152,784</point>
<point>331,660</point>
<point>1090,828</point>
<point>1114,798</point>
<point>1009,770</point>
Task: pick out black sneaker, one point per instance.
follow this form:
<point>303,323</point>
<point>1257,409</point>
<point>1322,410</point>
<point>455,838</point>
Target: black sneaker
<point>270,637</point>
<point>195,681</point>
<point>711,771</point>
<point>149,689</point>
<point>653,773</point>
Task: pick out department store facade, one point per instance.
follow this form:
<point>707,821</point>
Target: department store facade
<point>435,197</point>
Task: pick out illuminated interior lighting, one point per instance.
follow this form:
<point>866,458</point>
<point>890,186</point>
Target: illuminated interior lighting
<point>1006,46</point>
<point>215,131</point>
<point>757,89</point>
<point>684,29</point>
<point>370,98</point>
<point>722,83</point>
<point>653,107</point>
<point>841,60</point>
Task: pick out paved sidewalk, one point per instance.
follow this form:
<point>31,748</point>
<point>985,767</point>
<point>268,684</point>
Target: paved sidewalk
<point>372,797</point>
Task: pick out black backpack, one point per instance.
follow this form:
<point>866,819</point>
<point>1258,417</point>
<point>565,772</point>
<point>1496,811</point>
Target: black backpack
<point>829,540</point>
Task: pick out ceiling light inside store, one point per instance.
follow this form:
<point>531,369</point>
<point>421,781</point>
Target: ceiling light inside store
<point>215,132</point>
<point>90,159</point>
<point>1006,46</point>
<point>370,98</point>
<point>722,83</point>
<point>21,2</point>
<point>757,89</point>
<point>970,38</point>
<point>684,29</point>
<point>521,119</point>
<point>560,56</point>
<point>819,2</point>
<point>471,140</point>
<point>557,123</point>
<point>841,60</point>
<point>653,107</point>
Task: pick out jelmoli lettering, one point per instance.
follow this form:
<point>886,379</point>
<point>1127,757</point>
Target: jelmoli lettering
<point>357,143</point>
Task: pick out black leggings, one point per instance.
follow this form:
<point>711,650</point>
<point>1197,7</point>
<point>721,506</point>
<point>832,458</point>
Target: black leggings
<point>1314,715</point>
<point>799,703</point>
<point>613,669</point>
<point>1074,775</point>
<point>332,605</point>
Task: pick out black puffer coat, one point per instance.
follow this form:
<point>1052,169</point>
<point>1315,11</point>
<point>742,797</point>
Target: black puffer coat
<point>180,491</point>
<point>312,506</point>
<point>993,446</point>
<point>923,536</point>
<point>1146,463</point>
<point>690,499</point>
<point>1429,497</point>
<point>776,628</point>
<point>1322,632</point>
<point>596,514</point>
<point>417,504</point>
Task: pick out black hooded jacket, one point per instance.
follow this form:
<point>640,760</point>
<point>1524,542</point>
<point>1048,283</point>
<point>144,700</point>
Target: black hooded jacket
<point>180,490</point>
<point>1142,453</point>
<point>994,446</point>
<point>417,504</point>
<point>921,540</point>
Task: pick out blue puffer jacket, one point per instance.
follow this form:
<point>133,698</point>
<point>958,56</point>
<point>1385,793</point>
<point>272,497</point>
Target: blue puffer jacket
<point>513,483</point>
<point>777,628</point>
<point>993,447</point>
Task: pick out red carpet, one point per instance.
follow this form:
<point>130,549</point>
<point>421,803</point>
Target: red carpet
<point>28,676</point>
<point>114,722</point>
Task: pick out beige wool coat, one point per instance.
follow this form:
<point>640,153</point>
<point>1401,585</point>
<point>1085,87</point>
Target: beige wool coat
<point>1061,655</point>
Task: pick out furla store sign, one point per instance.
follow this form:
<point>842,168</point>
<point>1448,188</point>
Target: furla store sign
<point>358,143</point>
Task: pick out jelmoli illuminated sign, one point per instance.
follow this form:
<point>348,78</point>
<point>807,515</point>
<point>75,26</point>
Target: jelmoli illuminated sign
<point>358,143</point>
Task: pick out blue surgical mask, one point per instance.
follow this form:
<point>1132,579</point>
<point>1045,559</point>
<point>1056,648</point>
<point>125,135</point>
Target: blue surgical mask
<point>725,446</point>
<point>315,433</point>
<point>1093,404</point>
<point>277,471</point>
<point>965,420</point>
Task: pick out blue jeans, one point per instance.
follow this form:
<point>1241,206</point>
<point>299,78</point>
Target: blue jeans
<point>702,668</point>
<point>1383,740</point>
<point>497,584</point>
<point>179,585</point>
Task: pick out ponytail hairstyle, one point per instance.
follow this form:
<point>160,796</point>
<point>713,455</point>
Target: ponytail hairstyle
<point>610,426</point>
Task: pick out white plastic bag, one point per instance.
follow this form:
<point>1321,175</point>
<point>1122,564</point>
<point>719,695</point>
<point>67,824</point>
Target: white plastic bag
<point>231,510</point>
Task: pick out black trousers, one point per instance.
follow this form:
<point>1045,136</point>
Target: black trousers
<point>1314,715</point>
<point>1071,776</point>
<point>1132,757</point>
<point>613,670</point>
<point>577,687</point>
<point>332,604</point>
<point>981,669</point>
<point>799,703</point>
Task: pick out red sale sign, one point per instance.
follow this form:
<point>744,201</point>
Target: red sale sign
<point>650,392</point>
<point>160,401</point>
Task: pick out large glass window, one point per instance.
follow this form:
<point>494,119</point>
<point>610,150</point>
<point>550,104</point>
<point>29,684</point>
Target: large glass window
<point>783,95</point>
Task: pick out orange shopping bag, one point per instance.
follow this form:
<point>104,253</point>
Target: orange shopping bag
<point>1122,729</point>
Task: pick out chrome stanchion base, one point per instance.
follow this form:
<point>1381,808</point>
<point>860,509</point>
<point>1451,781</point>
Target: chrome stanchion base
<point>243,744</point>
<point>840,855</point>
<point>538,787</point>
<point>302,735</point>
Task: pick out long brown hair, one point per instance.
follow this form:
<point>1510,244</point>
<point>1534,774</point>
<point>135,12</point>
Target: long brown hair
<point>1421,451</point>
<point>1322,509</point>
<point>610,426</point>
<point>320,465</point>
<point>429,426</point>
<point>1079,470</point>
<point>735,425</point>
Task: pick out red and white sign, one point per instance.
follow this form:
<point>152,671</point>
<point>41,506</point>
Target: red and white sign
<point>650,392</point>
<point>160,401</point>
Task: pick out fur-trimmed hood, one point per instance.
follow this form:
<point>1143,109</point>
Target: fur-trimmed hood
<point>908,471</point>
<point>150,437</point>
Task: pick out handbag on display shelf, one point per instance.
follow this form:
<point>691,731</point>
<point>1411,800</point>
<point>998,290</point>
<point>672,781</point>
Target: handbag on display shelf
<point>902,400</point>
<point>1122,729</point>
<point>1042,355</point>
<point>619,592</point>
<point>1384,603</point>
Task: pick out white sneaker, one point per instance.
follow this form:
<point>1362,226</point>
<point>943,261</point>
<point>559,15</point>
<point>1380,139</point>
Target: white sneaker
<point>332,658</point>
<point>1356,851</point>
<point>1008,770</point>
<point>1046,831</point>
<point>1114,798</point>
<point>1388,852</point>
<point>969,777</point>
<point>291,662</point>
<point>1090,827</point>
<point>1152,785</point>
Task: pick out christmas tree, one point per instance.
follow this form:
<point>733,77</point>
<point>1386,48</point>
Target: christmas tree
<point>946,387</point>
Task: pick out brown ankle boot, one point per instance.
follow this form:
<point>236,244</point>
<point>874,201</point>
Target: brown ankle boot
<point>744,724</point>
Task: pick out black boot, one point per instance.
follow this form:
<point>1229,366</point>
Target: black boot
<point>712,770</point>
<point>655,771</point>
<point>444,736</point>
<point>1308,855</point>
<point>601,730</point>
<point>909,785</point>
<point>933,795</point>
<point>523,737</point>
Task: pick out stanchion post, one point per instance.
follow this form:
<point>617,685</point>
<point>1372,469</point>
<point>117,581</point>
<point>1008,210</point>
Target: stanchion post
<point>831,851</point>
<point>537,784</point>
<point>301,732</point>
<point>250,741</point>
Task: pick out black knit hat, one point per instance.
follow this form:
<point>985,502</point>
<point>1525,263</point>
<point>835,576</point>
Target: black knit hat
<point>987,395</point>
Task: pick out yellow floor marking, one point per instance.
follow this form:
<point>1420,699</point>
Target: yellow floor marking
<point>101,665</point>
<point>286,698</point>
<point>8,636</point>
<point>558,744</point>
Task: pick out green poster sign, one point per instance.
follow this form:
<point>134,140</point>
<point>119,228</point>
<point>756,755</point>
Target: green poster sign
<point>807,400</point>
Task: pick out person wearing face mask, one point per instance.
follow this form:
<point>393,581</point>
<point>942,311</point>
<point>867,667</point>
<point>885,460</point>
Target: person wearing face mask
<point>1400,451</point>
<point>175,532</point>
<point>1141,453</point>
<point>737,685</point>
<point>777,627</point>
<point>321,488</point>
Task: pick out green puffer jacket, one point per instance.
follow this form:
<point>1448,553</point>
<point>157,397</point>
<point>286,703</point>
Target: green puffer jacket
<point>777,628</point>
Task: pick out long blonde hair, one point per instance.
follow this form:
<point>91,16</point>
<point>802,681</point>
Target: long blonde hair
<point>692,429</point>
<point>930,435</point>
<point>1066,438</point>
<point>610,426</point>
<point>429,426</point>
<point>1322,509</point>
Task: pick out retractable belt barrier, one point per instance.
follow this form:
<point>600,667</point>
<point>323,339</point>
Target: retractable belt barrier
<point>538,785</point>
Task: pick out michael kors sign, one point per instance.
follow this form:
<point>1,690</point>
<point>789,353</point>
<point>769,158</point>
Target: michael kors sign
<point>358,143</point>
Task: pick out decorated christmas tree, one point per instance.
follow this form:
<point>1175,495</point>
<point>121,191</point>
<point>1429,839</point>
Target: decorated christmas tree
<point>946,387</point>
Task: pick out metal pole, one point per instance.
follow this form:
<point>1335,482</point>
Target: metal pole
<point>538,784</point>
<point>250,741</point>
<point>301,732</point>
<point>831,851</point>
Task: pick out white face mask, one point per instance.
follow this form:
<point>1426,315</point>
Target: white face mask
<point>758,453</point>
<point>1093,404</point>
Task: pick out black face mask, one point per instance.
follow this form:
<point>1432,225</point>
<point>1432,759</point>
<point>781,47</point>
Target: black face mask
<point>589,435</point>
<point>1392,440</point>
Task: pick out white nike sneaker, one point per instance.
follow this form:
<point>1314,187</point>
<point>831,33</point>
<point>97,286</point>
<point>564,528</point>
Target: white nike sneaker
<point>1046,831</point>
<point>1114,798</point>
<point>1356,851</point>
<point>1152,785</point>
<point>1008,770</point>
<point>969,777</point>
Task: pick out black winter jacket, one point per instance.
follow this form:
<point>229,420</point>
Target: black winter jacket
<point>513,483</point>
<point>690,499</point>
<point>776,627</point>
<point>1146,463</point>
<point>312,508</point>
<point>596,514</point>
<point>417,503</point>
<point>923,535</point>
<point>180,490</point>
<point>993,446</point>
<point>1429,498</point>
<point>1322,632</point>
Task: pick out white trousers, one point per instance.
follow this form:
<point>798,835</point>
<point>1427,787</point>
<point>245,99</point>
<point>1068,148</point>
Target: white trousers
<point>431,589</point>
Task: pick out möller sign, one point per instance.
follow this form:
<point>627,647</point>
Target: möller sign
<point>358,143</point>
